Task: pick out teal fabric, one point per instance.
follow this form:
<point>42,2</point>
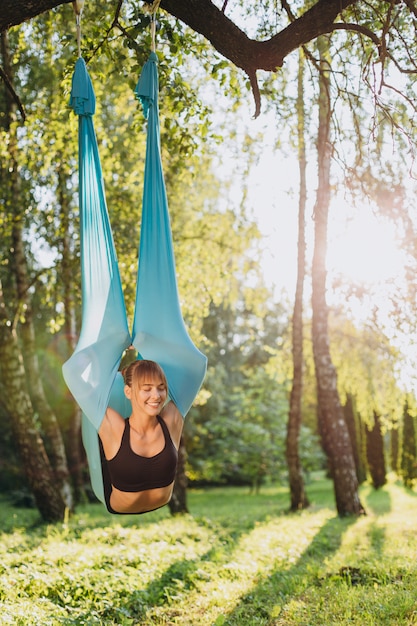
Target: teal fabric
<point>158,331</point>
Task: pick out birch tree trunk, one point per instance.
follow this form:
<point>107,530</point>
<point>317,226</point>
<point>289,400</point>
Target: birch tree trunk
<point>333,428</point>
<point>17,403</point>
<point>298,496</point>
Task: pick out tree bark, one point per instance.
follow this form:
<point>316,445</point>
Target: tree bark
<point>19,407</point>
<point>51,429</point>
<point>15,12</point>
<point>248,54</point>
<point>375,453</point>
<point>298,496</point>
<point>178,502</point>
<point>335,435</point>
<point>395,449</point>
<point>353,423</point>
<point>409,451</point>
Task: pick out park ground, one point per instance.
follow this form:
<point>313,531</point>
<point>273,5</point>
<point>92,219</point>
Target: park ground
<point>238,559</point>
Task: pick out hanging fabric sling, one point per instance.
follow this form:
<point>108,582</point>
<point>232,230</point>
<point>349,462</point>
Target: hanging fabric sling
<point>158,331</point>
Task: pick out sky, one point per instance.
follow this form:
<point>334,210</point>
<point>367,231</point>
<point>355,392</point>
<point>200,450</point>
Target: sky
<point>361,247</point>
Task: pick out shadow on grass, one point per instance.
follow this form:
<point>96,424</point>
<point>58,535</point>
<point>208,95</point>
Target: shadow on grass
<point>178,578</point>
<point>378,501</point>
<point>230,518</point>
<point>377,538</point>
<point>258,606</point>
<point>13,517</point>
<point>234,512</point>
<point>228,514</point>
<point>136,606</point>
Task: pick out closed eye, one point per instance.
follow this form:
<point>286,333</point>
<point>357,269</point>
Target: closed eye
<point>150,387</point>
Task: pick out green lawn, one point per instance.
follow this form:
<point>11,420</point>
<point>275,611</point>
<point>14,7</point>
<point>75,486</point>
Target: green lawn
<point>238,560</point>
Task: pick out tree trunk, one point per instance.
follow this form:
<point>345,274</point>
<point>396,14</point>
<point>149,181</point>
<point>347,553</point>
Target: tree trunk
<point>298,496</point>
<point>409,452</point>
<point>336,441</point>
<point>51,429</point>
<point>375,453</point>
<point>353,423</point>
<point>362,448</point>
<point>178,503</point>
<point>17,403</point>
<point>395,449</point>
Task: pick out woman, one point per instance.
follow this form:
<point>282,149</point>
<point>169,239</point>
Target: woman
<point>140,454</point>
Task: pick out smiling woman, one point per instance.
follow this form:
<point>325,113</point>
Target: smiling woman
<point>140,453</point>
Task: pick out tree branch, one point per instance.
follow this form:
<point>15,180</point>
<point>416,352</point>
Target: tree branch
<point>205,18</point>
<point>358,28</point>
<point>256,94</point>
<point>14,12</point>
<point>12,92</point>
<point>248,54</point>
<point>114,23</point>
<point>225,36</point>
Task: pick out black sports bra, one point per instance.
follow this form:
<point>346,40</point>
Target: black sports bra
<point>132,472</point>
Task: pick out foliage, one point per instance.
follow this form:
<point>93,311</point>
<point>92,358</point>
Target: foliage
<point>238,435</point>
<point>237,561</point>
<point>366,365</point>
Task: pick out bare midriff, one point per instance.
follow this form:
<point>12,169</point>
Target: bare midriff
<point>140,502</point>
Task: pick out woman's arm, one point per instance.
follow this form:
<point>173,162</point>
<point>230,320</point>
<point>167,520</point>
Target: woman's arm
<point>111,431</point>
<point>174,420</point>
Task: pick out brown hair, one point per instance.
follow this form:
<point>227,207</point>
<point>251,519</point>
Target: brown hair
<point>141,369</point>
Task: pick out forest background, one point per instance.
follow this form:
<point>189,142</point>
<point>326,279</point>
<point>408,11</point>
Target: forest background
<point>239,431</point>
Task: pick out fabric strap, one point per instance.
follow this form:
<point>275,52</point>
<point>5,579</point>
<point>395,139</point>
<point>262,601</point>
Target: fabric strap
<point>158,332</point>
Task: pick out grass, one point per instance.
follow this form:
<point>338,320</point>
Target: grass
<point>238,560</point>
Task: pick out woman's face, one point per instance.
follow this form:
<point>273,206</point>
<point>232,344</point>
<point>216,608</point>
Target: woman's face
<point>147,395</point>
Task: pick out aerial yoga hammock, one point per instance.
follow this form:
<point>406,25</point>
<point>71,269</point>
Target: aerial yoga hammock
<point>158,333</point>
